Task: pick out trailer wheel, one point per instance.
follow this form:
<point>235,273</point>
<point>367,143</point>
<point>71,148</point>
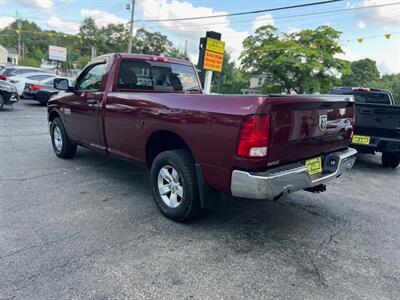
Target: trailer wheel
<point>391,160</point>
<point>174,185</point>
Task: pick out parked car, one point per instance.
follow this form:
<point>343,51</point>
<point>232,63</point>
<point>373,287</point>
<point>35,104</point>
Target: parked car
<point>20,81</point>
<point>42,91</point>
<point>8,94</point>
<point>151,110</point>
<point>18,70</point>
<point>377,126</point>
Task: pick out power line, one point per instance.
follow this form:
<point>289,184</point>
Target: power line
<point>242,13</point>
<point>287,17</point>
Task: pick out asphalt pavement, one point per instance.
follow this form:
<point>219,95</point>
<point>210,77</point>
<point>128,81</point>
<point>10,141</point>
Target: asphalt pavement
<point>87,228</point>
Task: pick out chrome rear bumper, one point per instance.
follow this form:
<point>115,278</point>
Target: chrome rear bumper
<point>287,179</point>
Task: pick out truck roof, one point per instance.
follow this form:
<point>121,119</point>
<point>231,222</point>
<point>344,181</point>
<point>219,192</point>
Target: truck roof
<point>358,89</point>
<point>149,57</point>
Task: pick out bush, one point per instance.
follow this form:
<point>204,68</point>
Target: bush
<point>29,62</point>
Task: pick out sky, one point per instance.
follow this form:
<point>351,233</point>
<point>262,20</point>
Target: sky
<point>357,21</point>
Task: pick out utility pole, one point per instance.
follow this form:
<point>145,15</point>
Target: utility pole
<point>19,25</point>
<point>132,7</point>
<point>185,52</point>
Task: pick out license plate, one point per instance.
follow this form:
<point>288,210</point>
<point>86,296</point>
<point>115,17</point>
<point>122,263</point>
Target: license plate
<point>314,166</point>
<point>361,139</point>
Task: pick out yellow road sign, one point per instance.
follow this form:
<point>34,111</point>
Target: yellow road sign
<point>213,61</point>
<point>215,45</point>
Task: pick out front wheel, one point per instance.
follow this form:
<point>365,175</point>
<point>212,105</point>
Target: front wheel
<point>391,160</point>
<point>174,184</point>
<point>63,147</point>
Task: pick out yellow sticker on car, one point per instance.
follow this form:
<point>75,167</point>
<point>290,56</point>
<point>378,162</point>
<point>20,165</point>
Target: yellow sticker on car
<point>314,166</point>
<point>361,139</point>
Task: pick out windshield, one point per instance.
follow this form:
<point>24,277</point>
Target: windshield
<point>371,97</point>
<point>140,75</point>
<point>7,71</point>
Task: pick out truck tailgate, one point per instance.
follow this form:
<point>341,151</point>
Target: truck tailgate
<point>306,126</point>
<point>378,120</point>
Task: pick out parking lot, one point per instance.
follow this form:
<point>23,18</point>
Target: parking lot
<point>88,228</point>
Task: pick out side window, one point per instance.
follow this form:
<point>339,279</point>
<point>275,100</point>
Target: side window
<point>135,75</point>
<point>142,75</point>
<point>91,78</point>
<point>38,77</point>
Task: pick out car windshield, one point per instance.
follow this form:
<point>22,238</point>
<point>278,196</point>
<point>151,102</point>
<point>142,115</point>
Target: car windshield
<point>157,76</point>
<point>7,71</point>
<point>371,97</point>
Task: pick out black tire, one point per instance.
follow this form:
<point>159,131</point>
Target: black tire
<point>189,204</point>
<point>67,149</point>
<point>2,101</point>
<point>391,160</point>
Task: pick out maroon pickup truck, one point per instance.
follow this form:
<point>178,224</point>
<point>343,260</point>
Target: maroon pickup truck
<point>152,111</point>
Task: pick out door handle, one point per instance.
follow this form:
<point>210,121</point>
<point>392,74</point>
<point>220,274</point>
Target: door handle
<point>91,101</point>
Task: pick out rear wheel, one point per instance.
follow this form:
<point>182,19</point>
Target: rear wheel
<point>2,101</point>
<point>174,184</point>
<point>63,147</point>
<point>391,160</point>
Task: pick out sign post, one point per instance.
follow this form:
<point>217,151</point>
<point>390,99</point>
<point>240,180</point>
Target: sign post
<point>211,56</point>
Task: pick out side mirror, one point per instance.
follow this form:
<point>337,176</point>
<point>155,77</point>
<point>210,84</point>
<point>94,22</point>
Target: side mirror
<point>61,84</point>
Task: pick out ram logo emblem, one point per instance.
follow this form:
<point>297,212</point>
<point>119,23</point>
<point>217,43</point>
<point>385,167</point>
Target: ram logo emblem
<point>323,122</point>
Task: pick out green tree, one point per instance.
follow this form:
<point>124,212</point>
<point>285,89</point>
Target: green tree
<point>83,61</point>
<point>389,82</point>
<point>303,61</point>
<point>230,80</point>
<point>147,42</point>
<point>89,36</point>
<point>363,72</point>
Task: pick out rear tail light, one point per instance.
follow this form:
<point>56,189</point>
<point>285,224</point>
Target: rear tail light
<point>254,137</point>
<point>361,89</point>
<point>158,58</point>
<point>3,77</point>
<point>36,88</point>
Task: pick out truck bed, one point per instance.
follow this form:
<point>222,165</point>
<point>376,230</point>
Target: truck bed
<point>378,120</point>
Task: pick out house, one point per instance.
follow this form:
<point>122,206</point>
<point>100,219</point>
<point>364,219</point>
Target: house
<point>255,87</point>
<point>3,55</point>
<point>8,55</point>
<point>12,56</point>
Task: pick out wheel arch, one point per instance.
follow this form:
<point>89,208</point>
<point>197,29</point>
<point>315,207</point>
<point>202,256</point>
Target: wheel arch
<point>163,140</point>
<point>54,114</point>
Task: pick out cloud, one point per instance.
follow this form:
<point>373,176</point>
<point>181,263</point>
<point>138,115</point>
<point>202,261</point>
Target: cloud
<point>383,16</point>
<point>40,4</point>
<point>264,20</point>
<point>101,17</point>
<point>5,21</point>
<point>361,24</point>
<point>57,23</point>
<point>192,30</point>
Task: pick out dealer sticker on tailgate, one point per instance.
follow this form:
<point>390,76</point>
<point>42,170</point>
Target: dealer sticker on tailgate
<point>314,166</point>
<point>361,139</point>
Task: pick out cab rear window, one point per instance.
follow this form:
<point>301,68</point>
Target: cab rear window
<point>371,97</point>
<point>141,75</point>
